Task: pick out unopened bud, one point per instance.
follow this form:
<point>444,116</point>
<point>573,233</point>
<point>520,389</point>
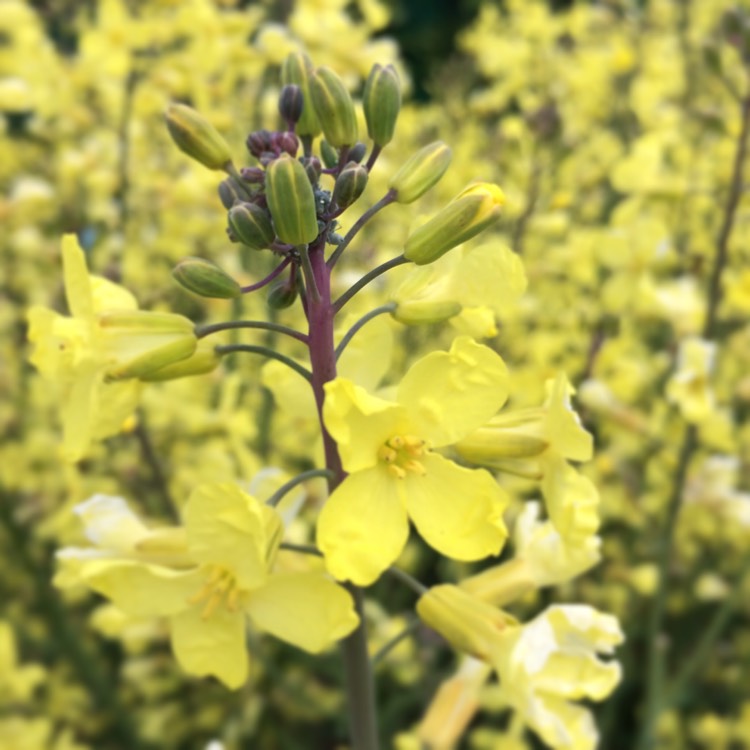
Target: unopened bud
<point>291,201</point>
<point>251,225</point>
<point>350,184</point>
<point>229,194</point>
<point>259,143</point>
<point>290,103</point>
<point>420,172</point>
<point>357,152</point>
<point>139,342</point>
<point>196,137</point>
<point>472,210</point>
<point>288,143</point>
<point>467,623</point>
<point>334,107</point>
<point>329,154</point>
<point>205,278</point>
<point>314,169</point>
<point>421,312</point>
<point>253,175</point>
<point>297,69</point>
<point>381,101</point>
<point>281,295</point>
<point>204,359</point>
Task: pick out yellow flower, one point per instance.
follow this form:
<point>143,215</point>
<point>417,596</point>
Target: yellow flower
<point>95,356</point>
<point>552,661</point>
<point>394,475</point>
<point>17,682</point>
<point>519,441</point>
<point>543,558</point>
<point>543,665</point>
<point>207,578</point>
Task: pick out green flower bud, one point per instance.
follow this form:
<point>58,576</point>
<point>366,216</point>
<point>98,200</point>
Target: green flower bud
<point>329,155</point>
<point>297,69</point>
<point>472,210</point>
<point>204,359</point>
<point>420,172</point>
<point>141,342</point>
<point>350,184</point>
<point>229,193</point>
<point>291,201</point>
<point>421,312</point>
<point>334,107</point>
<point>251,225</point>
<point>205,278</point>
<point>281,295</point>
<point>196,137</point>
<point>381,101</point>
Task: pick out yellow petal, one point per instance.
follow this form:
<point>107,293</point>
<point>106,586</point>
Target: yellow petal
<point>213,646</point>
<point>360,423</point>
<point>226,526</point>
<point>76,275</point>
<point>449,394</point>
<point>142,590</point>
<point>78,412</point>
<point>106,295</point>
<point>363,527</point>
<point>307,610</point>
<point>458,511</point>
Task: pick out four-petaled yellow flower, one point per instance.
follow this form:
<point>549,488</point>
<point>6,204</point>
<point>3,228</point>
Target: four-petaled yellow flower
<point>208,578</point>
<point>394,475</point>
<point>96,356</point>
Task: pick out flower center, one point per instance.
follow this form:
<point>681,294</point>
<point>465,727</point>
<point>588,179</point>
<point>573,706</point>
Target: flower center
<point>400,454</point>
<point>220,587</point>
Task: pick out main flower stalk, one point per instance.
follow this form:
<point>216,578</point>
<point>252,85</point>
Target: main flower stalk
<point>360,688</point>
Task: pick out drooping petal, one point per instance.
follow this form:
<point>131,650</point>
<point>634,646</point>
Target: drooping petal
<point>363,527</point>
<point>227,527</point>
<point>307,610</point>
<point>458,511</point>
<point>360,423</point>
<point>76,276</point>
<point>212,646</point>
<point>142,590</point>
<point>78,412</point>
<point>449,394</point>
<point>109,522</point>
<point>566,433</point>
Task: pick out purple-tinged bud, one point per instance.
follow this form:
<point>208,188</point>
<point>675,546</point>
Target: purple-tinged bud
<point>291,100</point>
<point>350,184</point>
<point>289,143</point>
<point>253,175</point>
<point>258,142</point>
<point>357,152</point>
<point>297,69</point>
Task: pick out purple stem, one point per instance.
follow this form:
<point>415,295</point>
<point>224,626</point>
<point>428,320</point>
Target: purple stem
<point>271,276</point>
<point>320,315</point>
